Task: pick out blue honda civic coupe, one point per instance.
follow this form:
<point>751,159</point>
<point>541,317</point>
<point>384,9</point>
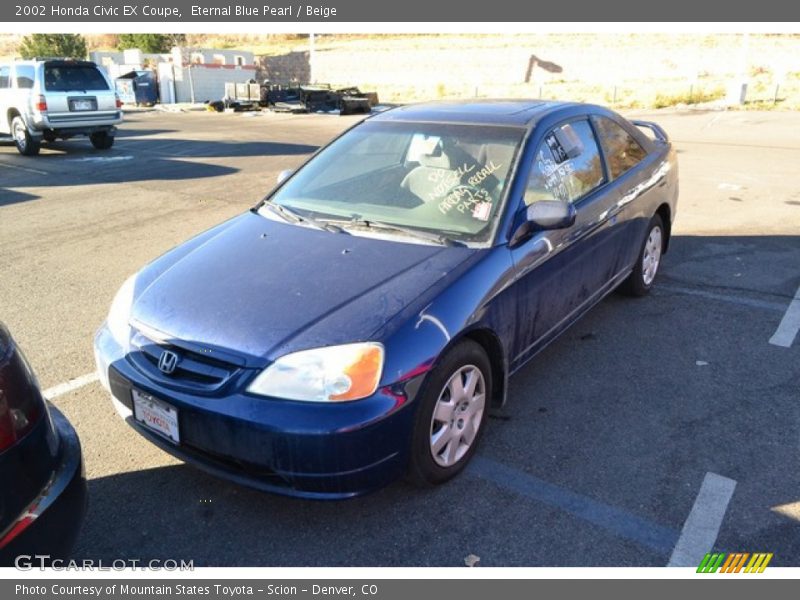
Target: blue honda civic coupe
<point>361,321</point>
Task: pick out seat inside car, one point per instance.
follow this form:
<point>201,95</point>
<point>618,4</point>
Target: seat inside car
<point>424,181</point>
<point>497,155</point>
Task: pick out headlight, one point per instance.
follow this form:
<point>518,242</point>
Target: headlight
<point>332,374</point>
<point>120,312</point>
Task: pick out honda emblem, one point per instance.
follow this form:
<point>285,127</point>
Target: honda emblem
<point>167,362</point>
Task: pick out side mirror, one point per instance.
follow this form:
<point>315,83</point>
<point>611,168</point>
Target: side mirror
<point>551,214</point>
<point>543,215</point>
<point>284,175</point>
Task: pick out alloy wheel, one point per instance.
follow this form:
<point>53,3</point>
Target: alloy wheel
<point>652,255</point>
<point>457,416</point>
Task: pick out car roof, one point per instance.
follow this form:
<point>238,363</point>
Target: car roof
<point>521,113</point>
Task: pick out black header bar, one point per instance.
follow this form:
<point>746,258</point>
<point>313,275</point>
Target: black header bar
<point>412,11</point>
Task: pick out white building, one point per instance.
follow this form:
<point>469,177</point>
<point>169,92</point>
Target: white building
<point>185,74</point>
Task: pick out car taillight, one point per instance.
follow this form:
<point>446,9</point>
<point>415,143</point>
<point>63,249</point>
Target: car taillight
<point>16,421</point>
<point>7,435</point>
<point>119,102</point>
<point>41,105</point>
<point>21,404</point>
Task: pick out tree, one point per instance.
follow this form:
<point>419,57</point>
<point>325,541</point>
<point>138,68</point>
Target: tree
<point>151,43</point>
<point>67,45</point>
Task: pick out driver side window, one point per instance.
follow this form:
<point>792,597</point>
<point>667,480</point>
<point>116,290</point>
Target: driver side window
<point>567,165</point>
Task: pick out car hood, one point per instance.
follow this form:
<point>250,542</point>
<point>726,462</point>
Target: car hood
<point>263,288</point>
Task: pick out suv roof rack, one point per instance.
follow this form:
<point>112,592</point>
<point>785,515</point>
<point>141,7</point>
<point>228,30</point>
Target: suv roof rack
<point>68,59</point>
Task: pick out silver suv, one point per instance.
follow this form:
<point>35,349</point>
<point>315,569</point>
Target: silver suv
<point>49,99</point>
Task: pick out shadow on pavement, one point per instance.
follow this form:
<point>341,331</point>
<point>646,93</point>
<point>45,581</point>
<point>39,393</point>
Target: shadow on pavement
<point>8,197</point>
<point>137,159</point>
<point>631,408</point>
<point>180,512</point>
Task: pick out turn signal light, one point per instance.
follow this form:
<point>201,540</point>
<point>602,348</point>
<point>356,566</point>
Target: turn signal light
<point>363,372</point>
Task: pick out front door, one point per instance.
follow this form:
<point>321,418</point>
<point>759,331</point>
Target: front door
<point>562,272</point>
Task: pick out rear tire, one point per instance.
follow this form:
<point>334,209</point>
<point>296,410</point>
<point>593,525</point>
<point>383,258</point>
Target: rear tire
<point>101,140</point>
<point>454,407</point>
<point>640,281</point>
<point>26,144</point>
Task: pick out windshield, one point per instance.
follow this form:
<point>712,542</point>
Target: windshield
<point>67,78</point>
<point>441,178</point>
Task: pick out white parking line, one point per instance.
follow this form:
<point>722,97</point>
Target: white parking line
<point>742,300</point>
<point>790,324</point>
<point>100,158</point>
<point>701,528</point>
<point>712,121</point>
<point>29,170</point>
<point>72,384</point>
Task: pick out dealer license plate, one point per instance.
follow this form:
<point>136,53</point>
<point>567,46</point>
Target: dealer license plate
<point>76,105</point>
<point>156,415</point>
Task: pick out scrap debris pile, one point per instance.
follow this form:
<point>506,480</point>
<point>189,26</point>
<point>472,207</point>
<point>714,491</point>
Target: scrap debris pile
<point>295,99</point>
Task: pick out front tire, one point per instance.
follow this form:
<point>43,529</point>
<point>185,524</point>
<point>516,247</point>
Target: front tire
<point>26,144</point>
<point>640,281</point>
<point>453,410</point>
<point>101,140</point>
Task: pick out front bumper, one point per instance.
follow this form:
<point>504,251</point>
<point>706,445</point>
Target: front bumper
<point>305,449</point>
<point>51,523</point>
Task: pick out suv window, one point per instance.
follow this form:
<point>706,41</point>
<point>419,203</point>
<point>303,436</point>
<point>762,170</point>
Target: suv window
<point>567,165</point>
<point>24,75</point>
<point>73,78</point>
<point>5,76</point>
<point>622,151</point>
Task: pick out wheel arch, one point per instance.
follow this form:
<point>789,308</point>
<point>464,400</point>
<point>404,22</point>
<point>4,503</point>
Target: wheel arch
<point>10,114</point>
<point>488,340</point>
<point>665,213</point>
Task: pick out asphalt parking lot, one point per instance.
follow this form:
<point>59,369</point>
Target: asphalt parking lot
<point>644,413</point>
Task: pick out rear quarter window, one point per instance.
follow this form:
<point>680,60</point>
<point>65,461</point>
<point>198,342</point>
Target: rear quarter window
<point>24,76</point>
<point>621,150</point>
<point>73,78</point>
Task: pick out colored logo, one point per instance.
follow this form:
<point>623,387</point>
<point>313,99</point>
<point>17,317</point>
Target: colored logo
<point>735,562</point>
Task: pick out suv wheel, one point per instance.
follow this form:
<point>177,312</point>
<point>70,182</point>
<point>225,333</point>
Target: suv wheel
<point>101,140</point>
<point>27,145</point>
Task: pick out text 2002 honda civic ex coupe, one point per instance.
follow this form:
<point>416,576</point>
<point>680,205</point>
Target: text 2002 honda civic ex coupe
<point>360,322</point>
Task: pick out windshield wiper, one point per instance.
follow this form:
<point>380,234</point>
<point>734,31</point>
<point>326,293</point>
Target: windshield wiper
<point>410,231</point>
<point>292,216</point>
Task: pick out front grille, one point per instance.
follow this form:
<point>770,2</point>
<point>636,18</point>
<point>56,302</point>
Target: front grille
<point>194,371</point>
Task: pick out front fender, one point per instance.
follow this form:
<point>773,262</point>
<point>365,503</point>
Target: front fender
<point>478,303</point>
